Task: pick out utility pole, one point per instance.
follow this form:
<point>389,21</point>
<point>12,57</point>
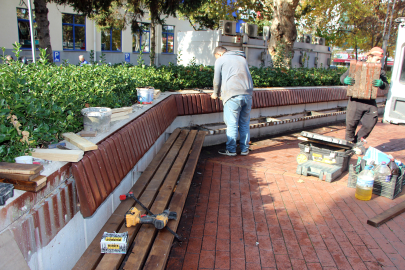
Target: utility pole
<point>31,30</point>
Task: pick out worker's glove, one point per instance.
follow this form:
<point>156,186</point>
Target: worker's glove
<point>214,96</point>
<point>349,81</point>
<point>378,83</point>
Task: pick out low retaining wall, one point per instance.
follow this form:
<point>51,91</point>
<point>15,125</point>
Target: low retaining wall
<point>54,226</point>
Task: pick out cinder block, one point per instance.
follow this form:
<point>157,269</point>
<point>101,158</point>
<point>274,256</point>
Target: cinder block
<point>311,106</point>
<point>322,105</point>
<point>298,108</point>
<point>269,111</point>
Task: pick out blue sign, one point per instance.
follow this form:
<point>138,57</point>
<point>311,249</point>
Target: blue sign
<point>127,57</point>
<point>56,56</point>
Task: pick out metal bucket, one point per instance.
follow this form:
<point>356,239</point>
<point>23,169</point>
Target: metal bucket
<point>96,119</point>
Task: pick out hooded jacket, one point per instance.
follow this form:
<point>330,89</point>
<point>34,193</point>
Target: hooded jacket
<point>232,76</point>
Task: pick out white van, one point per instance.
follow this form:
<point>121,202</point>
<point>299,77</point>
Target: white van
<point>395,107</point>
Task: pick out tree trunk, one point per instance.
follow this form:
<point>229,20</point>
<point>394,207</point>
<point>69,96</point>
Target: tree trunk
<point>41,18</point>
<point>152,43</point>
<point>283,30</point>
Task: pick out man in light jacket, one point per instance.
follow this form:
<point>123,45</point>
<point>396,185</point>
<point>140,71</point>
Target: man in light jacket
<point>233,80</point>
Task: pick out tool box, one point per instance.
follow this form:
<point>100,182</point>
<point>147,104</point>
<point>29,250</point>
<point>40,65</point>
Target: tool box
<point>386,189</point>
<point>6,191</point>
<point>323,156</point>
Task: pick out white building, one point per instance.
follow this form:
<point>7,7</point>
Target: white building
<point>73,34</point>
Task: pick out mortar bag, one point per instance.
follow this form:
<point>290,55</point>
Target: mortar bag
<point>376,155</point>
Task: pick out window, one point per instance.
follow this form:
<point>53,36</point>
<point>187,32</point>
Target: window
<point>167,39</point>
<point>402,74</point>
<point>74,32</point>
<point>141,39</point>
<point>24,33</point>
<point>111,40</point>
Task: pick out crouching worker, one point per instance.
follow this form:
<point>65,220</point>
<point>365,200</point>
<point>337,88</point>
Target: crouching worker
<point>364,110</point>
<point>232,77</point>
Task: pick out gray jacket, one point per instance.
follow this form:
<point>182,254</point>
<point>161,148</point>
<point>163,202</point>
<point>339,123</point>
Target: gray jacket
<point>232,76</point>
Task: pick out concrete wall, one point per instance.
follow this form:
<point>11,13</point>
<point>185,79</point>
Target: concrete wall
<point>9,35</point>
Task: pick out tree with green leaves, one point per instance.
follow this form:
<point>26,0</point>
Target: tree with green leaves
<point>351,23</point>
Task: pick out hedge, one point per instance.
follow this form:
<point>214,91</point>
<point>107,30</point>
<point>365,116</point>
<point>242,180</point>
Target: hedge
<point>46,99</point>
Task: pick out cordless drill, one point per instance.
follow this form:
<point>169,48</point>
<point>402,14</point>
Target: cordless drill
<point>134,217</point>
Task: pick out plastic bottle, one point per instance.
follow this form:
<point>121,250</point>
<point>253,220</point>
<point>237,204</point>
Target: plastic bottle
<point>383,173</point>
<point>364,186</point>
<point>394,168</point>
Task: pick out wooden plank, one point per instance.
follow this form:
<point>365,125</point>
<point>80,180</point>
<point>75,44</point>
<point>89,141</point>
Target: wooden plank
<point>160,251</point>
<point>362,83</point>
<point>116,116</point>
<point>88,133</point>
<point>58,155</point>
<point>80,142</point>
<point>352,72</point>
<point>35,185</point>
<point>357,78</point>
<point>92,256</point>
<point>17,168</point>
<point>112,261</point>
<point>387,215</point>
<point>10,254</point>
<point>123,109</point>
<point>17,176</point>
<point>147,233</point>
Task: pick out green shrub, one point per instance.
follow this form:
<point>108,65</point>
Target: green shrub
<point>47,99</point>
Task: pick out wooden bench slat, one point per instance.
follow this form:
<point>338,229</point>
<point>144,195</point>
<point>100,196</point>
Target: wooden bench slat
<point>92,255</point>
<point>112,261</point>
<point>159,253</point>
<point>146,234</point>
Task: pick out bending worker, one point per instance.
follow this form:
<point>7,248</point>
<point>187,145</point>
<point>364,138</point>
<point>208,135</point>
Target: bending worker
<point>232,77</point>
<point>363,109</point>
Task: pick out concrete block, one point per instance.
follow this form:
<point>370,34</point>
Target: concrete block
<point>122,188</point>
<point>333,104</point>
<point>284,110</point>
<point>311,106</point>
<point>341,117</point>
<point>343,103</point>
<point>298,108</point>
<point>255,113</point>
<point>66,247</point>
<point>322,105</point>
<point>94,223</point>
<point>214,139</point>
<point>269,111</point>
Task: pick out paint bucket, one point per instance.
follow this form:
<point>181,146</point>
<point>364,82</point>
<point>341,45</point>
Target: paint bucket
<point>145,95</point>
<point>23,160</point>
<point>96,119</point>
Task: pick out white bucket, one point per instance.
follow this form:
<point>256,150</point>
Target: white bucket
<point>145,95</point>
<point>23,160</point>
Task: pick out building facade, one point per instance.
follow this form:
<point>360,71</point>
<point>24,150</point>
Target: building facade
<point>73,34</point>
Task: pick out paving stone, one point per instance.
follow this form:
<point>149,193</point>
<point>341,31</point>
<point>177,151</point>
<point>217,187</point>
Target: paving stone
<point>252,212</point>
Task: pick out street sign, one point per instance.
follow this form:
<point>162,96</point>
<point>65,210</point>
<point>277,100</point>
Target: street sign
<point>56,56</point>
<point>127,57</point>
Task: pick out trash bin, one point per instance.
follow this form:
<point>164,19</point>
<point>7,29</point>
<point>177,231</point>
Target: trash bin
<point>96,119</point>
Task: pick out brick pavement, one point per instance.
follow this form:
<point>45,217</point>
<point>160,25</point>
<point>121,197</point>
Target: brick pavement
<point>254,212</point>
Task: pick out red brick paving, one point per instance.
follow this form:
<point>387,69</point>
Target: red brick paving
<point>252,212</point>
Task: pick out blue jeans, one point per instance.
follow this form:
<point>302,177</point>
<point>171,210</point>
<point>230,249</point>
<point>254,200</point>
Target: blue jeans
<point>237,114</point>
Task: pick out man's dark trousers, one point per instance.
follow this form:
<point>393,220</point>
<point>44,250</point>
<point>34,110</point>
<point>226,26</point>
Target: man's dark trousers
<point>364,110</point>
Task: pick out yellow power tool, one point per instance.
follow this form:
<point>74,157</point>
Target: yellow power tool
<point>134,217</point>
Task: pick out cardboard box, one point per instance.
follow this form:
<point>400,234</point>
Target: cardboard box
<point>114,243</point>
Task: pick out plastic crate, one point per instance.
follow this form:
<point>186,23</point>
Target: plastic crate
<point>326,154</point>
<point>386,189</point>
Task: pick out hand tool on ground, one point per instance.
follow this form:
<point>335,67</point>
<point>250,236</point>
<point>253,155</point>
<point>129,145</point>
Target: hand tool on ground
<point>133,216</point>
